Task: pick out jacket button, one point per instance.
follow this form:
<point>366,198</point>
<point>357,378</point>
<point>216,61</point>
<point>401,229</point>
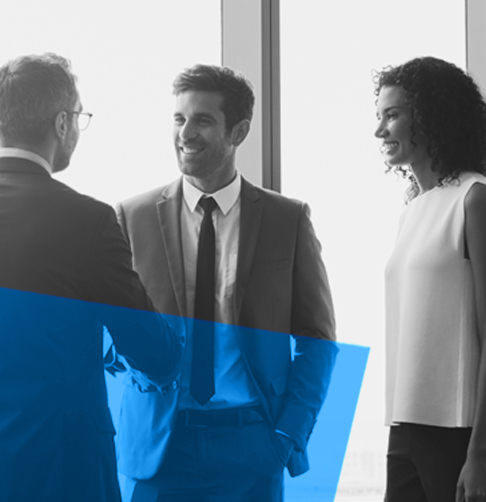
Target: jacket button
<point>175,384</point>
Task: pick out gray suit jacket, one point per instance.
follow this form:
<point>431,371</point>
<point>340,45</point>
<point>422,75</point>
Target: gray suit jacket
<point>281,290</point>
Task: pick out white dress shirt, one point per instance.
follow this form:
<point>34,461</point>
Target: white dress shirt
<point>232,383</point>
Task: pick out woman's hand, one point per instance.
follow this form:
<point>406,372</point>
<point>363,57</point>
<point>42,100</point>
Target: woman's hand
<point>471,486</point>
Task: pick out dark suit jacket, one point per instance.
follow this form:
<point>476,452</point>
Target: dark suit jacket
<point>281,289</point>
<point>64,273</point>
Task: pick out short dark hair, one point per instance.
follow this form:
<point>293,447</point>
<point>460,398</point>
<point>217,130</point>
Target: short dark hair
<point>33,90</point>
<point>237,92</point>
<point>448,109</point>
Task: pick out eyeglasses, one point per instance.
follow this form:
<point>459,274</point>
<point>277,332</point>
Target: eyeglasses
<point>84,118</point>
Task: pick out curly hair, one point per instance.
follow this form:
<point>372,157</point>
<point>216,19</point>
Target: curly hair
<point>237,92</point>
<point>448,109</point>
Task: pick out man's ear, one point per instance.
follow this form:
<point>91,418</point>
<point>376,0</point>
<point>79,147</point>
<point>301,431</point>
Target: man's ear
<point>240,132</point>
<point>61,124</point>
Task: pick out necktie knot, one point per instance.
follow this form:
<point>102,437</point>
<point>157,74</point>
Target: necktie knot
<point>208,204</point>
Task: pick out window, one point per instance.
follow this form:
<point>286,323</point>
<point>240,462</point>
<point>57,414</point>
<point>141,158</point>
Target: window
<point>126,55</point>
<point>331,160</point>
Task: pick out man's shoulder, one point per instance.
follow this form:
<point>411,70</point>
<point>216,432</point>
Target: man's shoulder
<point>270,197</point>
<point>43,190</point>
<point>152,197</point>
<point>71,200</point>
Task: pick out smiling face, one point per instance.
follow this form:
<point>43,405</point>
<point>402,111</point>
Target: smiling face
<point>401,146</point>
<point>205,149</point>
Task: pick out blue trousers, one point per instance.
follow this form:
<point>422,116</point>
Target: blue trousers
<point>424,462</point>
<point>216,464</point>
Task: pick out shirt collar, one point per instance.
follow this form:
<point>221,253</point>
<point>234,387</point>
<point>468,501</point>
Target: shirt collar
<point>226,197</point>
<point>20,153</point>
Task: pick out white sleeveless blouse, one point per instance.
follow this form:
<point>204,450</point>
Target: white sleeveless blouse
<point>432,348</point>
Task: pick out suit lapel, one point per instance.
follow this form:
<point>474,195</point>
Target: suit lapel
<point>250,220</point>
<point>169,211</point>
<point>169,214</point>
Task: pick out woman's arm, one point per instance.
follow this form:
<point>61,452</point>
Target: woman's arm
<point>472,481</point>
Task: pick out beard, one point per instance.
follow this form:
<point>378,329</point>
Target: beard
<point>61,163</point>
<point>202,166</point>
<point>64,153</point>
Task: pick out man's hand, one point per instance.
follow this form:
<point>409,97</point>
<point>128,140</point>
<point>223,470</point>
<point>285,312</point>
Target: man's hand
<point>284,445</point>
<point>141,381</point>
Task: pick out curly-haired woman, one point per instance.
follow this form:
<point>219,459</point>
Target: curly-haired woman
<point>432,124</point>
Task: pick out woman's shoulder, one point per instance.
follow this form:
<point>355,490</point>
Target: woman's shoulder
<point>469,178</point>
<point>460,188</point>
<point>476,194</point>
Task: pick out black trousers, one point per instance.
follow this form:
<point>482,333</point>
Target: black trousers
<point>236,463</point>
<point>424,462</point>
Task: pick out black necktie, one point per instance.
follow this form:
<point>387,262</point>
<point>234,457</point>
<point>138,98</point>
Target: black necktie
<point>202,372</point>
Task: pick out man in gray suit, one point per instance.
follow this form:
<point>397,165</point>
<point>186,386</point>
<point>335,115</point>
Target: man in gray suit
<point>64,274</point>
<point>242,408</point>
